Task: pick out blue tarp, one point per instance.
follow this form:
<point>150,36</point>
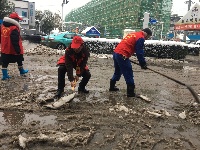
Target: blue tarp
<point>194,37</point>
<point>170,35</point>
<point>1,21</point>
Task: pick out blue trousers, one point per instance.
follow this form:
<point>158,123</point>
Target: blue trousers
<point>123,66</point>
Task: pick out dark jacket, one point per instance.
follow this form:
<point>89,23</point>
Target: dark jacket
<point>73,60</point>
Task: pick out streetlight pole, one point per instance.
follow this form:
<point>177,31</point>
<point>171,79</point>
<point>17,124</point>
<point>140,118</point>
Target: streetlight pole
<point>62,15</point>
<point>64,2</point>
<point>161,30</point>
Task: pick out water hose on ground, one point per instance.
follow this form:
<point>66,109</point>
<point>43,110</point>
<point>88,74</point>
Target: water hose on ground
<point>194,94</point>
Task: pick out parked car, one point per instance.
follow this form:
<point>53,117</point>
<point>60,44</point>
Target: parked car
<point>48,38</point>
<point>32,35</point>
<point>61,40</point>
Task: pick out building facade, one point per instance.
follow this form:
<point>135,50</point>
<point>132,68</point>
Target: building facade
<point>174,19</point>
<point>112,17</point>
<point>26,10</point>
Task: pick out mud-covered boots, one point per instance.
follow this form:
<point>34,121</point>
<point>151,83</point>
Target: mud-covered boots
<point>5,74</point>
<point>112,86</point>
<point>22,70</point>
<point>82,85</point>
<point>131,90</point>
<point>84,90</point>
<point>59,93</point>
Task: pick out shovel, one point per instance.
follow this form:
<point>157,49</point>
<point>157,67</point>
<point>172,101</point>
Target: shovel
<point>62,100</point>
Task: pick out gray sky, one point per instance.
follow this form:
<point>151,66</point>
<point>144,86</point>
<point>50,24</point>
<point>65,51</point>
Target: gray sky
<point>55,5</point>
<point>179,7</point>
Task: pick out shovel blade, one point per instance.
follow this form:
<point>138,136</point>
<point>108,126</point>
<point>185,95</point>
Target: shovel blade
<point>61,101</point>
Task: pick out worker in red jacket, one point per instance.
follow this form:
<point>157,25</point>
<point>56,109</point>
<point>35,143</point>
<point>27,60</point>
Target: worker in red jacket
<point>11,44</point>
<point>132,43</point>
<point>76,57</point>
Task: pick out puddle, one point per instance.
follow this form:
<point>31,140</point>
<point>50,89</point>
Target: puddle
<point>182,130</point>
<point>11,119</point>
<point>11,86</point>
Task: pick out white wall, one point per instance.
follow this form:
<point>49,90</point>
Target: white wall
<point>28,8</point>
<point>20,4</point>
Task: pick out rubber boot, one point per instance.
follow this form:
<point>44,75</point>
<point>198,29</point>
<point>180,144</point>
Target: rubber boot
<point>112,86</point>
<point>82,85</point>
<point>84,90</point>
<point>59,93</point>
<point>22,71</point>
<point>5,74</point>
<point>86,77</point>
<point>130,90</point>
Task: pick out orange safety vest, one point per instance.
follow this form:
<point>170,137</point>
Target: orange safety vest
<point>127,46</point>
<point>6,45</point>
<point>62,61</point>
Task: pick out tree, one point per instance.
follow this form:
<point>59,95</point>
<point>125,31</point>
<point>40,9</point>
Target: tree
<point>38,18</point>
<point>47,20</point>
<point>38,15</point>
<point>57,21</point>
<point>6,8</point>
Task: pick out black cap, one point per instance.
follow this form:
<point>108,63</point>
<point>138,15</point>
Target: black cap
<point>148,31</point>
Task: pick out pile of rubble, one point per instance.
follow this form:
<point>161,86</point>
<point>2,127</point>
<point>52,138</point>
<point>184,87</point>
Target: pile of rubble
<point>41,49</point>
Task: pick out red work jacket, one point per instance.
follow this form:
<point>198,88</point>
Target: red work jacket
<point>127,46</point>
<point>6,44</point>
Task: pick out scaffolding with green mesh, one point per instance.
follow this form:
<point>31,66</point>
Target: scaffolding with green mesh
<point>111,18</point>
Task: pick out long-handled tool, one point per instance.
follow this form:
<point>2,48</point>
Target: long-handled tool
<point>194,94</point>
<point>62,100</point>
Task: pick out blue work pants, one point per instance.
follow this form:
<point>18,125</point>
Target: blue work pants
<point>122,66</point>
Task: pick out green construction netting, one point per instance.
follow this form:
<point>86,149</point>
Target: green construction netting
<point>111,17</point>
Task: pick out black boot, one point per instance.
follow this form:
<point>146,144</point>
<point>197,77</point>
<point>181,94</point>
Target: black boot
<point>112,86</point>
<point>130,90</point>
<point>59,93</point>
<point>84,90</point>
<point>86,77</point>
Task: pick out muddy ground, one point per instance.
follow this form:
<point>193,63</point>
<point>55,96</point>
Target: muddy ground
<point>101,120</point>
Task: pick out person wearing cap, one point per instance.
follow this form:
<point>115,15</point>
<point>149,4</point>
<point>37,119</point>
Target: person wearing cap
<point>76,57</point>
<point>132,43</point>
<point>11,44</point>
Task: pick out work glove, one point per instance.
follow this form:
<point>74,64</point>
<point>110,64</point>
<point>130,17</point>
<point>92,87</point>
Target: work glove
<point>76,78</point>
<point>73,84</point>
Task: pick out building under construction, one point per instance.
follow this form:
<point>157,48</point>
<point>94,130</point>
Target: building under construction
<point>111,17</point>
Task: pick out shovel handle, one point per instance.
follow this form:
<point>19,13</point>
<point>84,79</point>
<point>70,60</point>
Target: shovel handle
<point>73,88</point>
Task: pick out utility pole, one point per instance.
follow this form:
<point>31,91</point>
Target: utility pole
<point>189,2</point>
<point>64,2</point>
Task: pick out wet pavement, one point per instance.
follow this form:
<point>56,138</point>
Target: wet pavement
<point>101,119</point>
<point>13,119</point>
